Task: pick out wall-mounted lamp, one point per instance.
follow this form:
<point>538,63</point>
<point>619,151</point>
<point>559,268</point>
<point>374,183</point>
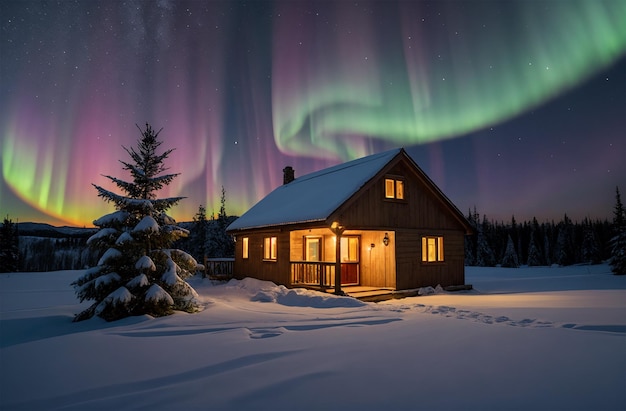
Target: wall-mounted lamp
<point>386,239</point>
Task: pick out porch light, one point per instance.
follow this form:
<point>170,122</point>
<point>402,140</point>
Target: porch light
<point>386,240</point>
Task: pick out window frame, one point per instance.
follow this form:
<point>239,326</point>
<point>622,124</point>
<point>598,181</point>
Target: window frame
<point>433,253</point>
<point>398,185</point>
<point>270,246</point>
<point>306,250</point>
<point>245,248</point>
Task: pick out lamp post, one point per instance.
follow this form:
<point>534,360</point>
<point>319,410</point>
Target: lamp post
<point>338,230</point>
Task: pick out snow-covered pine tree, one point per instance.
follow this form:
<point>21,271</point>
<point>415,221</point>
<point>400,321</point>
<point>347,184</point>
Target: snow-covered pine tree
<point>510,256</point>
<point>565,248</point>
<point>484,253</point>
<point>618,242</point>
<point>534,252</point>
<point>198,235</point>
<point>589,250</point>
<point>534,257</point>
<point>138,273</point>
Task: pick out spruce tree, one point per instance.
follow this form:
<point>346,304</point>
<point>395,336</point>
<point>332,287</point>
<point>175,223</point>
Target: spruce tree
<point>510,256</point>
<point>199,233</point>
<point>590,252</point>
<point>534,251</point>
<point>618,242</point>
<point>484,253</point>
<point>137,272</point>
<point>565,249</point>
<point>219,244</point>
<point>534,258</point>
<point>9,250</point>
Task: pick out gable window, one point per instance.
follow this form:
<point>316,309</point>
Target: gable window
<point>269,248</point>
<point>394,188</point>
<point>432,249</point>
<point>245,247</point>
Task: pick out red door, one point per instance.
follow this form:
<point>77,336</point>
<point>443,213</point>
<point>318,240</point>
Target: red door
<point>349,273</point>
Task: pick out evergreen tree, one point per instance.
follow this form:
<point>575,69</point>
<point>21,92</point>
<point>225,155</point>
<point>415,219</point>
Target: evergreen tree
<point>199,234</point>
<point>548,230</point>
<point>484,253</point>
<point>9,247</point>
<point>618,242</point>
<point>565,248</point>
<point>534,252</point>
<point>590,252</point>
<point>470,240</point>
<point>219,243</point>
<point>510,256</point>
<point>137,273</point>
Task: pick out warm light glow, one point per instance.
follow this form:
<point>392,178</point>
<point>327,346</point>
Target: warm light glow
<point>245,247</point>
<point>269,248</point>
<point>389,188</point>
<point>432,249</point>
<point>399,189</point>
<point>394,188</point>
<point>349,249</point>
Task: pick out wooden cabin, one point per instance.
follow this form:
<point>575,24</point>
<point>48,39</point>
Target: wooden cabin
<point>378,221</point>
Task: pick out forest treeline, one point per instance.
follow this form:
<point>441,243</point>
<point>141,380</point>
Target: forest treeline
<point>532,243</point>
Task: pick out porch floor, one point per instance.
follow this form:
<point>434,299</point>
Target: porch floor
<point>373,293</point>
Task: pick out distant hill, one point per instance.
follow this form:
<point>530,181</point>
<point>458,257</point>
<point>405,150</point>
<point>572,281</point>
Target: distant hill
<point>47,230</point>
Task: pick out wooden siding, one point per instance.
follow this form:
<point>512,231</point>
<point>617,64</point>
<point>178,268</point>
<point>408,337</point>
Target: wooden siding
<point>378,268</point>
<point>413,273</point>
<point>255,266</point>
<point>420,209</point>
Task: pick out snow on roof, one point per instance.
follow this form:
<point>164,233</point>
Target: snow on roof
<point>313,197</point>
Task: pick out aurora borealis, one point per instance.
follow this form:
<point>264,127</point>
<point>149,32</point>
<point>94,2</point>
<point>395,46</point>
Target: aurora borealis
<point>516,107</point>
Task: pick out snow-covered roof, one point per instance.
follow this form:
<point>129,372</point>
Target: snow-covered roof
<point>315,196</point>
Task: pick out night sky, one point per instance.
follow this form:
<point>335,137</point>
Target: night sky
<point>515,107</point>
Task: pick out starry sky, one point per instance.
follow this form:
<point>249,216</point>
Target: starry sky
<point>514,107</point>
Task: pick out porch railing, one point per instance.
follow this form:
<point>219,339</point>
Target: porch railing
<point>219,268</point>
<point>313,273</point>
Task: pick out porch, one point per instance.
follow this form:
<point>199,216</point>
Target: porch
<point>320,276</point>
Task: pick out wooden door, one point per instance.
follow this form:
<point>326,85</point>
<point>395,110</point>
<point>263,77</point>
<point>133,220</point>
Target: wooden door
<point>350,260</point>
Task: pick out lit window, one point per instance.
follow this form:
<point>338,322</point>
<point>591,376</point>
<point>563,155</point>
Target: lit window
<point>394,188</point>
<point>349,249</point>
<point>432,249</point>
<point>269,248</point>
<point>313,249</point>
<point>245,247</point>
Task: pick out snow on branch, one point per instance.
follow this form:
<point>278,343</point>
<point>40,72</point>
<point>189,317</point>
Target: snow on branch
<point>139,281</point>
<point>119,296</point>
<point>110,219</point>
<point>156,293</point>
<point>107,279</point>
<point>125,237</point>
<point>101,234</point>
<point>145,263</point>
<point>169,276</point>
<point>147,224</point>
<point>109,254</point>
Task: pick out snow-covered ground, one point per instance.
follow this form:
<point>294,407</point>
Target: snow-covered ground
<point>524,339</point>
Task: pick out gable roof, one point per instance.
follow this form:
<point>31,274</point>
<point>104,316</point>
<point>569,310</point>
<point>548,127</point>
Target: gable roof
<point>315,196</point>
